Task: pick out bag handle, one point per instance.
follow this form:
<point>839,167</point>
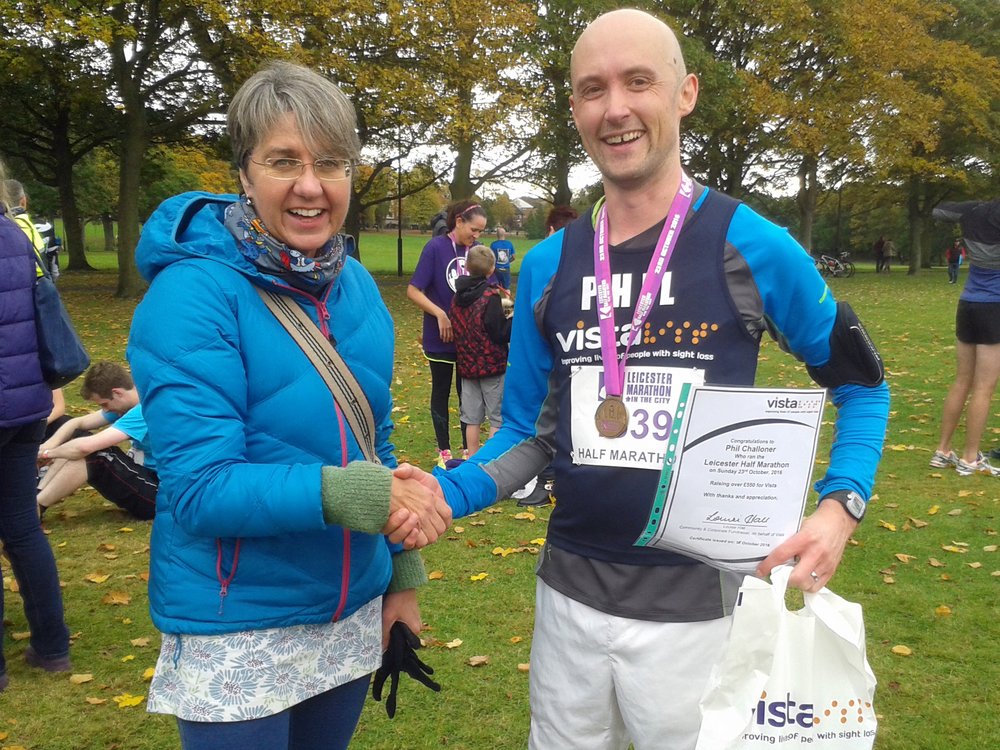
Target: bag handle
<point>779,584</point>
<point>330,365</point>
<point>821,604</point>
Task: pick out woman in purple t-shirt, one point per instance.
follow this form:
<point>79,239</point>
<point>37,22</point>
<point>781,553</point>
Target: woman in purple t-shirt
<point>431,288</point>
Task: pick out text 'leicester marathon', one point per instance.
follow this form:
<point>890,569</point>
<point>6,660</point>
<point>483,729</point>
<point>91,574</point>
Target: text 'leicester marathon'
<point>648,386</point>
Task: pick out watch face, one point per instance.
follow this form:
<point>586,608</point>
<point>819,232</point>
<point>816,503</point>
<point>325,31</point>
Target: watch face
<point>855,505</point>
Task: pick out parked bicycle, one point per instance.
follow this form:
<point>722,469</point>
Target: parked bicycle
<point>840,266</point>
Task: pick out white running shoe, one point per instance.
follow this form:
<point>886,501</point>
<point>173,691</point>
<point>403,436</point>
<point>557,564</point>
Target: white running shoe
<point>943,460</point>
<point>981,466</point>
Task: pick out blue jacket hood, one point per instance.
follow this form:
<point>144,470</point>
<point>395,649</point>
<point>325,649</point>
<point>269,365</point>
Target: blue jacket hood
<point>187,226</point>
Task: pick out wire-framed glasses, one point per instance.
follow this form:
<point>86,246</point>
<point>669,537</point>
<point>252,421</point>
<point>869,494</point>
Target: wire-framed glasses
<point>326,169</point>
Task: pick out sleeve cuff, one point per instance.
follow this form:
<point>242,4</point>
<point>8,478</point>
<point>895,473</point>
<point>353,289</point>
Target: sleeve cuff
<point>357,496</point>
<point>407,571</point>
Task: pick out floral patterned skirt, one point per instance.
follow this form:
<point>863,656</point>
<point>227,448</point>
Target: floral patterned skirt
<point>257,673</point>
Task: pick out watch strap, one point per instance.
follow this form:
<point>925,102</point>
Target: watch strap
<point>853,502</point>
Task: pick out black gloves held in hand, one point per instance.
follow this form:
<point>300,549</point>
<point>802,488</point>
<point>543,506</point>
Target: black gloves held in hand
<point>401,656</point>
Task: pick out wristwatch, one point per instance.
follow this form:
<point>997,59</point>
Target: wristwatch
<point>853,503</point>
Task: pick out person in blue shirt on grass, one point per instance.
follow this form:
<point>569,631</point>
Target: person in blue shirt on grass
<point>74,458</point>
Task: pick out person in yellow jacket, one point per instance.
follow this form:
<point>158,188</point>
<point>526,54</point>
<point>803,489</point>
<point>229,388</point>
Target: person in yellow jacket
<point>18,211</point>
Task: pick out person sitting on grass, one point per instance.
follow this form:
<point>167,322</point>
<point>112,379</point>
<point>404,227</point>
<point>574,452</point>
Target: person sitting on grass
<point>127,479</point>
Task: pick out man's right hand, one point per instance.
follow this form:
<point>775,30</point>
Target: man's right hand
<point>418,513</point>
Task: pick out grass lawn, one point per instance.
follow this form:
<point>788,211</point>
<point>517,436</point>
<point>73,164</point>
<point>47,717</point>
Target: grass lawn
<point>924,564</point>
<point>379,250</point>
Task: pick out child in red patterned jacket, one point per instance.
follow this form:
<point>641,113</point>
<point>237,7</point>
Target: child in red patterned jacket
<point>482,333</point>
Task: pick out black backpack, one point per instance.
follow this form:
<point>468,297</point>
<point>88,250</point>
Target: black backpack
<point>439,223</point>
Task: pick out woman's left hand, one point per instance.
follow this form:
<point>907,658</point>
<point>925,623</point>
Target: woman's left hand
<point>400,605</point>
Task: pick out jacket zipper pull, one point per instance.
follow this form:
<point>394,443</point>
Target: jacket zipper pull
<point>223,593</point>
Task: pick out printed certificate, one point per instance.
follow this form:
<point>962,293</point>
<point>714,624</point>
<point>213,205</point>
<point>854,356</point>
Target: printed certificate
<point>736,473</point>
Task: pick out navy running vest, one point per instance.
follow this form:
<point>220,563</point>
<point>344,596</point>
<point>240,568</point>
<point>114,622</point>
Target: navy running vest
<point>694,323</point>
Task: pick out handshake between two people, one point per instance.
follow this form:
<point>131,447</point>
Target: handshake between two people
<point>418,513</point>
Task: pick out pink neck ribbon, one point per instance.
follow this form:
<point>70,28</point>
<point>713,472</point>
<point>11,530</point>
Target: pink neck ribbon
<point>614,371</point>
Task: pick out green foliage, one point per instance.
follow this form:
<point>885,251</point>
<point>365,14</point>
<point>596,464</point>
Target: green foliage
<point>500,211</point>
<point>97,177</point>
<point>826,92</point>
<point>534,225</point>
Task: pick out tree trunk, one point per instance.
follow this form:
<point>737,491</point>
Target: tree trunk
<point>130,283</point>
<point>806,200</point>
<point>461,181</point>
<point>74,247</point>
<point>133,148</point>
<point>916,220</point>
<point>352,223</point>
<point>838,238</point>
<point>562,162</point>
<point>108,222</point>
<point>76,256</point>
<point>563,194</point>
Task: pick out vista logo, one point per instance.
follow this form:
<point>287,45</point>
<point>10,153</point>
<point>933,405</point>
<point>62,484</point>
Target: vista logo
<point>783,403</point>
<point>783,712</point>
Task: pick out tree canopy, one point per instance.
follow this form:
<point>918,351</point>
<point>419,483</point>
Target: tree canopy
<point>835,97</point>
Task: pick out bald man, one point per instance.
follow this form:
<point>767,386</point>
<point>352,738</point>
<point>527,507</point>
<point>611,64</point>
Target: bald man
<point>625,636</point>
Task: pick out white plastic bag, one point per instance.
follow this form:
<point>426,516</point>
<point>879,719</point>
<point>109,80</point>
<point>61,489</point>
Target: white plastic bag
<point>790,679</point>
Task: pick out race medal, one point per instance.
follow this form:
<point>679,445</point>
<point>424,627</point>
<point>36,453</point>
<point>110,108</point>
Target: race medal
<point>611,417</point>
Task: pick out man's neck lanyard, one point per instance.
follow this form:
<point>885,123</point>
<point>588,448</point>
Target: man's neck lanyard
<point>612,416</point>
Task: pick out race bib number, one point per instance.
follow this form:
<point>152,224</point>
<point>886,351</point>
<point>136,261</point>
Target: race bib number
<point>650,395</point>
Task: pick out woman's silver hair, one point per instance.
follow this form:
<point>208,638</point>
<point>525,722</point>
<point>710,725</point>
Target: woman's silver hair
<point>323,113</point>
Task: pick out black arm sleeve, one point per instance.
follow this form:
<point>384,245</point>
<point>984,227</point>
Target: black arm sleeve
<point>853,357</point>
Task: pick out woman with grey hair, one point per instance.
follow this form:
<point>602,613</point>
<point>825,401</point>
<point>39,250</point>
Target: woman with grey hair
<point>280,558</point>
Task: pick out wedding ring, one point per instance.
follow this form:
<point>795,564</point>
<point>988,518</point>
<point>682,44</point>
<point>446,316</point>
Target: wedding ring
<point>814,577</point>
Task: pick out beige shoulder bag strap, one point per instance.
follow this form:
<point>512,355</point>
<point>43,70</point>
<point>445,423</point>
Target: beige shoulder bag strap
<point>330,365</point>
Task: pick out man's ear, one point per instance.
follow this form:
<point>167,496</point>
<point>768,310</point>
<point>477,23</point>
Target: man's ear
<point>688,95</point>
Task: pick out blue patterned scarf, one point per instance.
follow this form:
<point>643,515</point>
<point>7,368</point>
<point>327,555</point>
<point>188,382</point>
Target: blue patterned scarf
<point>307,274</point>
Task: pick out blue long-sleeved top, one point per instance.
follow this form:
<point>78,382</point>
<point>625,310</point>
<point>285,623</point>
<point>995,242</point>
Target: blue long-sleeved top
<point>734,271</point>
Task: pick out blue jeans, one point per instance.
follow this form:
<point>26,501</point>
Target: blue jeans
<point>324,722</point>
<point>30,555</point>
